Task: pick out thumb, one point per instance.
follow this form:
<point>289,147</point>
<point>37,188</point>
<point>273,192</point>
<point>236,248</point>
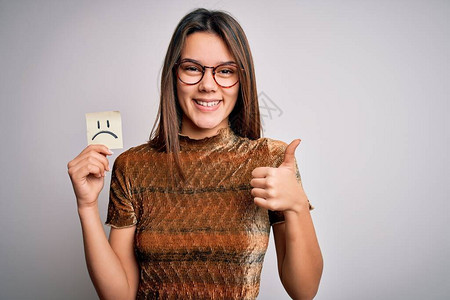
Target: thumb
<point>289,154</point>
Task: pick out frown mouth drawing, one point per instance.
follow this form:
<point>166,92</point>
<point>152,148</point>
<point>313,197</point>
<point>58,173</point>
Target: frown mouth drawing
<point>104,131</point>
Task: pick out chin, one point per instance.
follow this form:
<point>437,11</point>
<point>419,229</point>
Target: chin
<point>205,124</point>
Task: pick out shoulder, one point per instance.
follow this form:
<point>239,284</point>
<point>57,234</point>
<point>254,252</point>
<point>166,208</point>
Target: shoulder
<point>133,156</point>
<point>271,144</point>
<point>274,147</point>
<point>271,151</point>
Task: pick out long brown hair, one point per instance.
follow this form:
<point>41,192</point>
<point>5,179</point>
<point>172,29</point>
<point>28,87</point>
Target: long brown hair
<point>244,119</point>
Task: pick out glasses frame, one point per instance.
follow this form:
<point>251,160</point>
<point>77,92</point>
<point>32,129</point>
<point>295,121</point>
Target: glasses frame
<point>177,64</point>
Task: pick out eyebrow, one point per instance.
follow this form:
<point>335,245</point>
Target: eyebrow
<point>196,61</point>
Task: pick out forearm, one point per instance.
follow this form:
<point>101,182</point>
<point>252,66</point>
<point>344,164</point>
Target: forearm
<point>105,269</point>
<point>302,264</point>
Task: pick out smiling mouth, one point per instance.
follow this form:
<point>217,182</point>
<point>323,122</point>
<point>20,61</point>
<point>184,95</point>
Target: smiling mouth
<point>104,131</point>
<point>207,103</point>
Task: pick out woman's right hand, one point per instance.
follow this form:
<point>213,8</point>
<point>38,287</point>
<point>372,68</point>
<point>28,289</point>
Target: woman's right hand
<point>87,172</point>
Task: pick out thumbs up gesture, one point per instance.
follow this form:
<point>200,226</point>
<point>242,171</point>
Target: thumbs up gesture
<point>277,189</point>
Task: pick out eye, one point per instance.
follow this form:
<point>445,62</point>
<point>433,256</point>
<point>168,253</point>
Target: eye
<point>226,70</point>
<point>190,67</point>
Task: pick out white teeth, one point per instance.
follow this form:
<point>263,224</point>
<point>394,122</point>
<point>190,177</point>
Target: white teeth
<point>207,104</point>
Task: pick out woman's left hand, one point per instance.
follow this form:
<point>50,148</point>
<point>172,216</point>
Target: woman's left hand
<point>277,189</point>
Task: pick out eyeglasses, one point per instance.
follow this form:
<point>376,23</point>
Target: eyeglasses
<point>191,72</point>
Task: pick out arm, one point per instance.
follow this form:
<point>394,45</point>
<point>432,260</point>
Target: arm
<point>111,265</point>
<point>298,253</point>
<point>299,257</point>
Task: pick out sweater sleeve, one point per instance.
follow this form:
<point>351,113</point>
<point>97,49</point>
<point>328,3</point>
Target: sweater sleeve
<point>121,211</point>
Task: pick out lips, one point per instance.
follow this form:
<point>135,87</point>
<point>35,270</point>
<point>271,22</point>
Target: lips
<point>207,105</point>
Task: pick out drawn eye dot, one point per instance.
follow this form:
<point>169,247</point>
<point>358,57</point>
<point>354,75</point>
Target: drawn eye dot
<point>98,124</point>
<point>107,123</point>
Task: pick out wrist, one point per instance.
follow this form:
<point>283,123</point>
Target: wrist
<point>295,214</point>
<point>301,207</point>
<point>88,210</point>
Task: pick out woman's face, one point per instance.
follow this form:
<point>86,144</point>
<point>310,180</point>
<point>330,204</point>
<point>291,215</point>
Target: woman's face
<point>206,105</point>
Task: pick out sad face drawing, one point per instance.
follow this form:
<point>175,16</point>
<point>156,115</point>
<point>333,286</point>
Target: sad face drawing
<point>105,128</point>
<point>104,131</point>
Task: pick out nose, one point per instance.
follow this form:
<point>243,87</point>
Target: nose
<point>208,83</point>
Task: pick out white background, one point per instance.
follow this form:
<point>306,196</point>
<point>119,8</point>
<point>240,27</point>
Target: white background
<point>364,84</point>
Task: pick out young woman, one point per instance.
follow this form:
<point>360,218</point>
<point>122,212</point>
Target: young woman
<point>190,211</point>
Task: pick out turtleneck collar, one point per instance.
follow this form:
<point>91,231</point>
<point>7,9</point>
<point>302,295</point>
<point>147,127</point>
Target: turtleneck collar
<point>223,137</point>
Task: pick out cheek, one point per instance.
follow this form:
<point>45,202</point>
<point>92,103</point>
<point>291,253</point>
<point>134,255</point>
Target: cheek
<point>233,93</point>
<point>182,95</point>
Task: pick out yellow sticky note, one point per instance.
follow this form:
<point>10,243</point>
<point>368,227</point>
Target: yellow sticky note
<point>105,128</point>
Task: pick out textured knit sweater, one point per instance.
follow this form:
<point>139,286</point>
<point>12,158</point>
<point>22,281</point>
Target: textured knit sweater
<point>203,238</point>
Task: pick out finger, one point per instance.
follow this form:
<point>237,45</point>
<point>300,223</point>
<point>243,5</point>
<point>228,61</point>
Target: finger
<point>257,192</point>
<point>88,165</point>
<point>261,172</point>
<point>261,202</point>
<point>258,183</point>
<point>267,204</point>
<point>91,157</point>
<point>81,171</point>
<point>97,148</point>
<point>101,158</point>
<point>91,152</point>
<point>95,170</point>
<point>289,154</point>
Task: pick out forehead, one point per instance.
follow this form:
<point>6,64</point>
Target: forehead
<point>207,48</point>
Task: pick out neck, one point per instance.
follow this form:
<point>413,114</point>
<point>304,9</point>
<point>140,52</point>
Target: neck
<point>223,137</point>
<point>194,132</point>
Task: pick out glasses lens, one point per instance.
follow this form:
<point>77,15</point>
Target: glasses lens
<point>190,72</point>
<point>227,75</point>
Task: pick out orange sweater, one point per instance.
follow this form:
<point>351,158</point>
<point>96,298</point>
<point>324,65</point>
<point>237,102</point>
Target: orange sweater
<point>203,238</point>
